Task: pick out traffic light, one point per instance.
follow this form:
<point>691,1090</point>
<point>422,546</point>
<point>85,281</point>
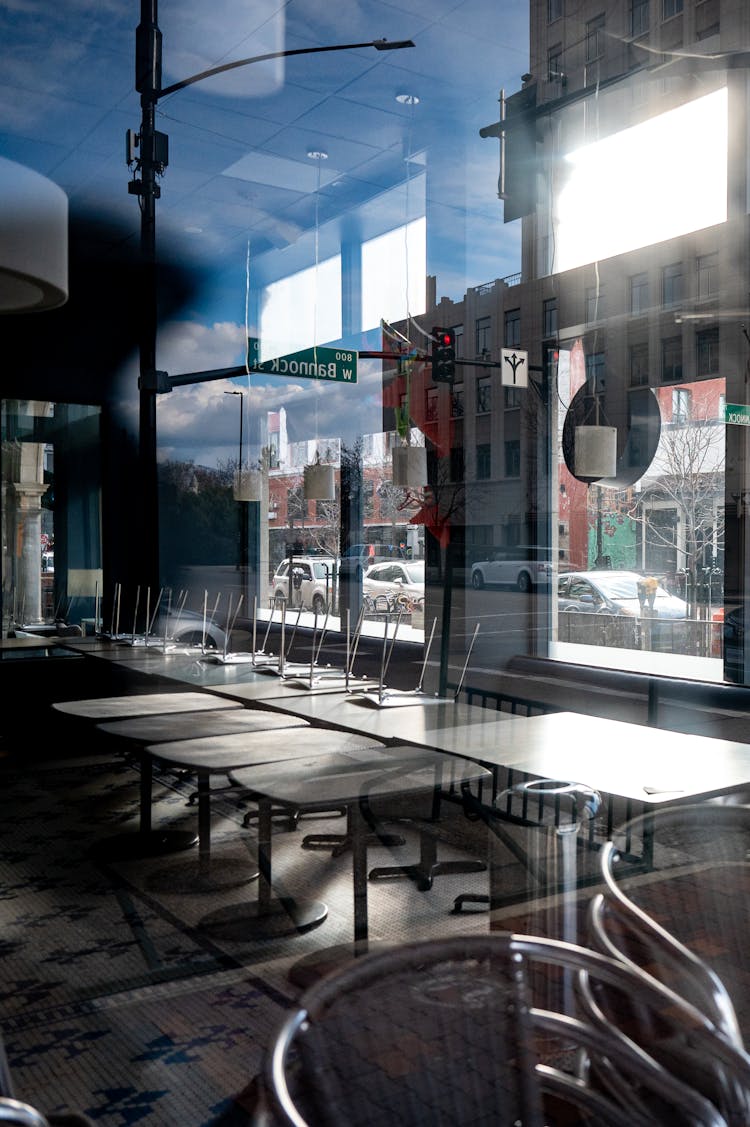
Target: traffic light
<point>443,355</point>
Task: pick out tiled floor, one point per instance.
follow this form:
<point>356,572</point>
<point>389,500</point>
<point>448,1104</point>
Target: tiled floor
<point>113,999</point>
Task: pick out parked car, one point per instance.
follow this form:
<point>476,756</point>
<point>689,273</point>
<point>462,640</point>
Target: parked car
<point>523,567</point>
<point>313,579</point>
<point>358,557</point>
<point>612,592</point>
<point>186,628</point>
<point>395,584</point>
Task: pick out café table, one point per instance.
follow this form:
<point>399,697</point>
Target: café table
<point>352,778</point>
<point>148,841</point>
<point>634,768</point>
<point>187,728</point>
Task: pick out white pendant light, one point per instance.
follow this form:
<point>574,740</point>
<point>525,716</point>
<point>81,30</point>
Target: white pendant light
<point>595,451</point>
<point>33,241</point>
<point>319,482</point>
<point>410,466</point>
<point>248,485</point>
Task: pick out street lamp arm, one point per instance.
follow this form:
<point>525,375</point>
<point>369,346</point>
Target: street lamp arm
<point>378,44</point>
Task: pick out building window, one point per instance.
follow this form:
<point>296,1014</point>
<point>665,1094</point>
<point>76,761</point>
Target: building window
<point>554,10</point>
<point>549,317</point>
<point>595,39</point>
<point>296,506</point>
<point>671,284</point>
<point>457,401</point>
<point>458,334</point>
<point>457,463</point>
<point>639,297</point>
<point>707,19</point>
<point>680,405</point>
<point>513,458</point>
<point>368,498</point>
<point>639,365</point>
<point>671,8</point>
<point>554,63</point>
<point>595,371</point>
<point>512,397</point>
<point>639,17</point>
<point>483,335</point>
<point>708,275</point>
<point>512,334</point>
<point>707,352</point>
<point>594,304</point>
<point>671,359</point>
<point>431,405</point>
<point>484,460</point>
<point>484,395</point>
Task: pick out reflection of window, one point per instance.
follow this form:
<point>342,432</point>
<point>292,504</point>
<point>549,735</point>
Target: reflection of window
<point>680,404</point>
<point>671,359</point>
<point>483,335</point>
<point>457,400</point>
<point>512,397</point>
<point>513,458</point>
<point>671,8</point>
<point>554,10</point>
<point>595,370</point>
<point>431,405</point>
<point>595,38</point>
<point>484,460</point>
<point>707,19</point>
<point>484,395</point>
<point>671,283</point>
<point>638,365</point>
<point>368,494</point>
<point>549,317</point>
<point>512,333</point>
<point>457,463</point>
<point>708,275</point>
<point>554,63</point>
<point>639,17</point>
<point>296,506</point>
<point>594,303</point>
<point>458,334</point>
<point>639,293</point>
<point>707,352</point>
<point>392,264</point>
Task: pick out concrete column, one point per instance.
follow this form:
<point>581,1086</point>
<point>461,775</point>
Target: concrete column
<point>27,496</point>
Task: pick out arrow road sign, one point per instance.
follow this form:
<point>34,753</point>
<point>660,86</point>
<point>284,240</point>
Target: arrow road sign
<point>337,364</point>
<point>515,367</point>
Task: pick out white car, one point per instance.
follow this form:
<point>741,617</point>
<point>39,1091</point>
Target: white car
<point>313,580</point>
<point>521,567</point>
<point>395,585</point>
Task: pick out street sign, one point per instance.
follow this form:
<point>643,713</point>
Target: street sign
<point>515,367</point>
<point>738,413</point>
<point>336,364</point>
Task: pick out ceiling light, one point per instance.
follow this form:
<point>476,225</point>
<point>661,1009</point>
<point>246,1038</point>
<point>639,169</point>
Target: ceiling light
<point>407,99</point>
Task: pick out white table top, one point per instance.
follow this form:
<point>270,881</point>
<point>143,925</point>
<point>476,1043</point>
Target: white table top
<point>269,747</point>
<point>650,765</point>
<point>141,704</point>
<point>346,776</point>
<point>219,721</point>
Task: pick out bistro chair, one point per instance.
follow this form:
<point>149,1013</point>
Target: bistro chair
<point>682,922</point>
<point>446,1033</point>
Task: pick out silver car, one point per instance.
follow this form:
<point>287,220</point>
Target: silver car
<point>613,592</point>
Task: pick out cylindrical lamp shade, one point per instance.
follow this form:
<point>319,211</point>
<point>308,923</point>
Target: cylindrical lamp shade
<point>319,483</point>
<point>248,485</point>
<point>33,241</point>
<point>596,451</point>
<point>410,466</point>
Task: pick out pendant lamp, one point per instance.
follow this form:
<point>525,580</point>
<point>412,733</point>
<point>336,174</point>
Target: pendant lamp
<point>595,451</point>
<point>33,241</point>
<point>410,466</point>
<point>319,482</point>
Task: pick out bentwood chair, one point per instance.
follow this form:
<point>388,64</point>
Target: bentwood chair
<point>683,922</point>
<point>446,1033</point>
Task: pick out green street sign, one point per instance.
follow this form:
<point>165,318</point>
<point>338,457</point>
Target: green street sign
<point>738,413</point>
<point>337,364</point>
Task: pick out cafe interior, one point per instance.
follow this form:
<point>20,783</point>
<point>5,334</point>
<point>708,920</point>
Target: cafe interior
<point>375,561</point>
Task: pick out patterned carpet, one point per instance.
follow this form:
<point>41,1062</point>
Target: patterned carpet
<point>113,999</point>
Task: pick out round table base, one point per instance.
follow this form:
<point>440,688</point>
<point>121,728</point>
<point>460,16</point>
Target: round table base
<point>133,846</point>
<point>239,922</point>
<point>200,876</point>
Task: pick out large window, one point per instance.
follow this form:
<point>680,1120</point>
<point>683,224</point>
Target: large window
<point>512,334</point>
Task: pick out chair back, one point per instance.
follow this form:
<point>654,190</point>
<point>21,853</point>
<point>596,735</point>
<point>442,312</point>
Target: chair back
<point>447,1032</point>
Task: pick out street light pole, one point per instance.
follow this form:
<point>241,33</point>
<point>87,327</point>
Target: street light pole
<point>148,151</point>
<point>243,523</point>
